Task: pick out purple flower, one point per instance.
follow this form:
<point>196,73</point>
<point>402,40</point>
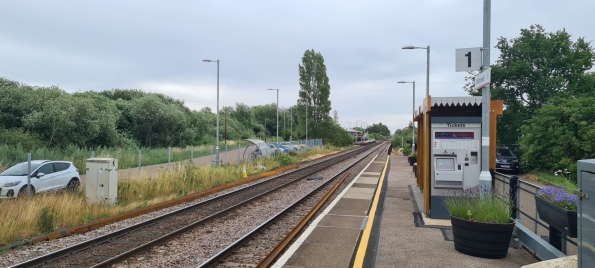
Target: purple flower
<point>559,197</point>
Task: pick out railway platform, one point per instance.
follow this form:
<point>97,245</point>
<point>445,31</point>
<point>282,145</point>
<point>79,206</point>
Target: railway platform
<point>376,222</point>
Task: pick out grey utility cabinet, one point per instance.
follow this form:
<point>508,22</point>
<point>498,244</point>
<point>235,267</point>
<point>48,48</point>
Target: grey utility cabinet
<point>102,180</point>
<point>586,213</point>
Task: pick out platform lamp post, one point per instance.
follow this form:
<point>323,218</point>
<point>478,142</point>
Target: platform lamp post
<point>277,113</point>
<point>217,139</point>
<point>427,66</point>
<point>413,116</point>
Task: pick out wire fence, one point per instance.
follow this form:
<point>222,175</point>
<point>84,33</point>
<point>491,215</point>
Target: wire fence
<point>528,210</point>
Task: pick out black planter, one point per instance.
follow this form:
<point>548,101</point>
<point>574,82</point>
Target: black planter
<point>412,160</point>
<point>484,240</point>
<point>561,219</point>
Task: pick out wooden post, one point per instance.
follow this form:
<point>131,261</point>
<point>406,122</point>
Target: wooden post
<point>496,108</point>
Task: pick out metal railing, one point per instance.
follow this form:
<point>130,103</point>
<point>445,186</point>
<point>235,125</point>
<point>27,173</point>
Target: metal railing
<point>526,209</point>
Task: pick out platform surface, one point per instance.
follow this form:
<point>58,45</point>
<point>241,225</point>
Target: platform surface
<point>398,234</point>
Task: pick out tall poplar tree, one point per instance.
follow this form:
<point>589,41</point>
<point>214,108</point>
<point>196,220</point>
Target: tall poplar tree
<point>314,94</point>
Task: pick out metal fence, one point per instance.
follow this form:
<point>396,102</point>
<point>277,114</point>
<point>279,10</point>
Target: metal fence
<point>527,210</point>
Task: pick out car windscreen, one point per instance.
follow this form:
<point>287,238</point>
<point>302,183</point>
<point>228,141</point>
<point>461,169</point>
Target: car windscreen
<point>19,169</point>
<point>504,152</point>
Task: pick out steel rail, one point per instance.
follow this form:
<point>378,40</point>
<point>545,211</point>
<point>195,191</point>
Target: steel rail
<point>213,261</point>
<point>44,260</point>
<point>272,256</point>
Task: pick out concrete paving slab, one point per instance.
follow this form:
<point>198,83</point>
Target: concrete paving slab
<point>333,235</point>
<point>360,193</point>
<point>369,180</point>
<point>371,173</point>
<point>321,256</point>
<point>343,221</point>
<point>364,185</point>
<point>347,206</point>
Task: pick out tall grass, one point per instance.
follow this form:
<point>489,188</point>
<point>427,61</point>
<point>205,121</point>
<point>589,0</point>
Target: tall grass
<point>24,218</point>
<point>127,158</point>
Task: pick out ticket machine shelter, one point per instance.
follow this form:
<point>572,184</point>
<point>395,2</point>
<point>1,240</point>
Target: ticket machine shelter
<point>449,147</point>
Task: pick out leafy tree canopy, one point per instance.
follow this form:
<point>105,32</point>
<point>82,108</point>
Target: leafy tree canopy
<point>531,70</point>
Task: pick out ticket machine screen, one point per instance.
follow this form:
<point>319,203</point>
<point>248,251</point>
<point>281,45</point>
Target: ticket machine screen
<point>444,164</point>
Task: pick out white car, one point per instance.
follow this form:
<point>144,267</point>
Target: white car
<point>46,176</point>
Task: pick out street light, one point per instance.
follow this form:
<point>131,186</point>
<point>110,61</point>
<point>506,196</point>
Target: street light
<point>412,122</point>
<point>427,66</point>
<point>277,113</point>
<point>217,140</point>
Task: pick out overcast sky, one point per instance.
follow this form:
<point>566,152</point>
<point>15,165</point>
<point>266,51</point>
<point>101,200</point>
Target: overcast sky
<point>158,46</point>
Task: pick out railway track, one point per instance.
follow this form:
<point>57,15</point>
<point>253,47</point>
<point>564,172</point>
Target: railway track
<point>262,246</point>
<point>120,245</point>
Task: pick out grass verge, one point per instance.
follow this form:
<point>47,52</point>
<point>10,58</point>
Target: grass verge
<point>557,181</point>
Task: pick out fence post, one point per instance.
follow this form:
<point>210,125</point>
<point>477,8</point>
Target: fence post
<point>514,198</point>
<point>168,156</point>
<point>211,146</point>
<point>139,156</point>
<point>28,175</point>
<point>192,154</point>
<point>493,175</point>
<point>239,149</point>
<point>226,152</point>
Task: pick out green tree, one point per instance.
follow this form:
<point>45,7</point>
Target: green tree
<point>532,69</point>
<point>379,129</point>
<point>55,121</point>
<point>559,134</point>
<point>314,93</point>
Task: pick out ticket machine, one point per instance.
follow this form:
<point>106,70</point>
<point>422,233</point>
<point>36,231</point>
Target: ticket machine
<point>455,159</point>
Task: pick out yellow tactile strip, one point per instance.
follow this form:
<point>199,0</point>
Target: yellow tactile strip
<point>363,244</point>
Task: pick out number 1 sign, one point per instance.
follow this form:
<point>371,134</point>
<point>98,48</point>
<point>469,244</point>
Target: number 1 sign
<point>468,59</point>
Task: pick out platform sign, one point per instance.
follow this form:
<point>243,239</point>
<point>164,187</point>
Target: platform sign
<point>483,79</point>
<point>468,59</point>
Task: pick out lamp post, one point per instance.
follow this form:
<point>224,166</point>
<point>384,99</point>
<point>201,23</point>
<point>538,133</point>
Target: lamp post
<point>412,122</point>
<point>277,113</point>
<point>427,66</point>
<point>217,140</point>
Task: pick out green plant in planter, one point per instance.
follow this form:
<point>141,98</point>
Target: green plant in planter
<point>480,205</point>
<point>557,208</point>
<point>559,197</point>
<point>481,222</point>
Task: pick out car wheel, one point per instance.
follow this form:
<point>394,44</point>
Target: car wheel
<point>23,191</point>
<point>73,185</point>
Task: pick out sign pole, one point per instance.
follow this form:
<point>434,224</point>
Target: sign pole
<point>485,178</point>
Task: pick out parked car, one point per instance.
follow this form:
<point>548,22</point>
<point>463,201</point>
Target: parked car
<point>46,176</point>
<point>297,145</point>
<point>292,147</point>
<point>506,160</point>
<point>275,148</point>
<point>285,148</point>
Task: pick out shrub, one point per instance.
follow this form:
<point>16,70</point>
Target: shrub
<point>47,220</point>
